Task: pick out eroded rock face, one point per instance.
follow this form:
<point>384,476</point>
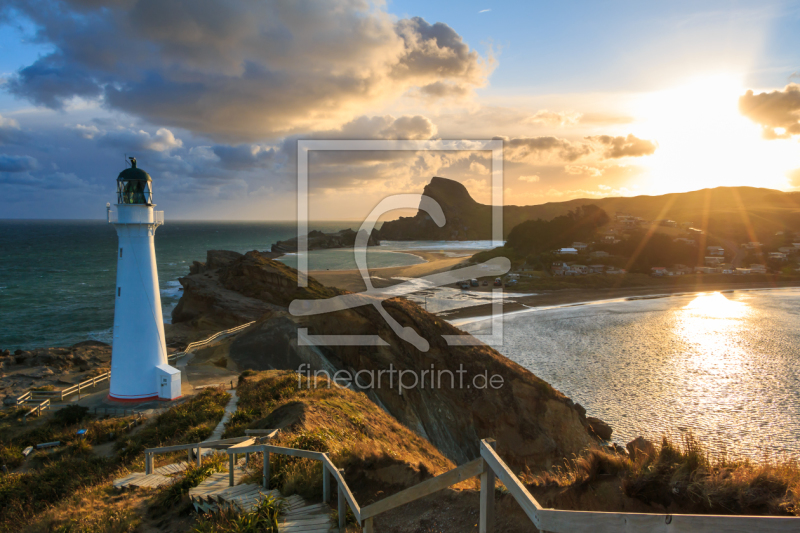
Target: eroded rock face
<point>534,424</point>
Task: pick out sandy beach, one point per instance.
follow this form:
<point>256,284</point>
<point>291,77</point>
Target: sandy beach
<point>351,280</point>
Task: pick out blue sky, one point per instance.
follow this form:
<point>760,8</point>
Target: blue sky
<point>593,99</point>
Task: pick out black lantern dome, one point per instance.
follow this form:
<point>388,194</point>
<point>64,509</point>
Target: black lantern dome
<point>134,186</point>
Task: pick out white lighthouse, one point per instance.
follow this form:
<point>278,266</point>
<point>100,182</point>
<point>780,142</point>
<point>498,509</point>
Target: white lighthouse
<point>139,369</point>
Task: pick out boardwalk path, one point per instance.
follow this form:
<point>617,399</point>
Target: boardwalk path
<point>215,492</point>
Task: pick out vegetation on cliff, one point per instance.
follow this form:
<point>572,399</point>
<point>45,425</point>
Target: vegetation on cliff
<point>681,477</point>
<point>58,474</point>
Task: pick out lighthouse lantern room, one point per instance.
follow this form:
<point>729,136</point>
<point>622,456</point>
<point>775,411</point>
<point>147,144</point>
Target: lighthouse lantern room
<point>139,351</point>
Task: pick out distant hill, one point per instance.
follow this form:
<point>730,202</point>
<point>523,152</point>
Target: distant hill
<point>739,213</point>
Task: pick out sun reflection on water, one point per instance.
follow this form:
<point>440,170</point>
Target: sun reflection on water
<point>710,326</point>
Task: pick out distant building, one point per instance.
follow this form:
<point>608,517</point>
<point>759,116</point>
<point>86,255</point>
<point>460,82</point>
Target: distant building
<point>778,256</point>
<point>580,245</point>
<point>694,231</point>
<point>758,269</point>
<point>567,251</point>
<point>685,240</point>
<point>742,271</point>
<point>714,260</point>
<point>681,269</point>
<point>580,269</point>
<point>658,271</point>
<point>715,250</point>
<point>614,270</point>
<point>668,223</point>
<point>707,270</point>
<point>596,269</point>
<point>598,253</point>
<point>611,239</point>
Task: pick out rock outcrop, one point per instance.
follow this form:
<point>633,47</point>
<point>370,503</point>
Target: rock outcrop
<point>52,366</point>
<point>534,424</point>
<point>318,240</point>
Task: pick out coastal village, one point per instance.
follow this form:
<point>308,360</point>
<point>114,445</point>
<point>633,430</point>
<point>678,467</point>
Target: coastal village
<point>729,258</point>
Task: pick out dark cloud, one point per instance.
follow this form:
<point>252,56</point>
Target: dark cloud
<point>544,148</point>
<point>630,146</point>
<point>778,109</point>
<point>239,71</point>
<point>17,163</point>
<point>243,157</point>
<point>441,89</point>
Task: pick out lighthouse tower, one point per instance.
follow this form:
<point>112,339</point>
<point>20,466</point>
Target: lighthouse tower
<point>139,369</point>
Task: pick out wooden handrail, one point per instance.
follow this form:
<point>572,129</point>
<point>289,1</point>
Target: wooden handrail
<point>427,487</point>
<point>524,498</point>
<point>558,521</point>
<point>207,444</point>
<point>343,488</point>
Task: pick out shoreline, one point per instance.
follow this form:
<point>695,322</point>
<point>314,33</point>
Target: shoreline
<point>578,297</point>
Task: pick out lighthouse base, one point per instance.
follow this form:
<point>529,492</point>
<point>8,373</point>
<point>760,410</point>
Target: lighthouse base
<point>133,400</point>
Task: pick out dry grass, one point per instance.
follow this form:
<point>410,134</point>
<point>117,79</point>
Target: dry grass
<point>686,476</point>
<point>377,452</point>
<point>95,510</point>
<point>73,469</point>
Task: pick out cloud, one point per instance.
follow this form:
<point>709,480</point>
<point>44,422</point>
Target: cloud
<point>577,170</point>
<point>240,72</point>
<point>630,146</point>
<point>554,118</point>
<point>10,132</point>
<point>530,179</point>
<point>244,156</point>
<point>58,180</point>
<point>442,89</point>
<point>87,132</point>
<point>17,163</point>
<point>163,141</point>
<point>794,177</point>
<point>778,112</point>
<point>478,168</point>
<point>543,148</point>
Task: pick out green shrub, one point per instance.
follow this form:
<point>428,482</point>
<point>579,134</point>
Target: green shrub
<point>72,414</point>
<point>262,519</point>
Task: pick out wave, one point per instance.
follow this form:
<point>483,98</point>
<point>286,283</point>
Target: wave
<point>172,289</point>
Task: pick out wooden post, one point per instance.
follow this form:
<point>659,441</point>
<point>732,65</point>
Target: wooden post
<point>368,525</point>
<point>199,457</point>
<point>232,457</point>
<point>189,458</point>
<point>247,458</point>
<point>486,522</point>
<point>265,470</point>
<point>147,464</point>
<point>342,508</point>
<point>326,484</point>
<point>79,391</point>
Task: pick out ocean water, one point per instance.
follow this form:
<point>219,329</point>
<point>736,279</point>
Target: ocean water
<point>57,278</point>
<point>725,367</point>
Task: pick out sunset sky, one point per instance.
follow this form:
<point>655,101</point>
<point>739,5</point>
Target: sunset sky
<point>592,99</point>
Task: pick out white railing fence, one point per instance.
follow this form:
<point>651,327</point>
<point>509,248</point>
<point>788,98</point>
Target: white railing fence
<point>192,346</point>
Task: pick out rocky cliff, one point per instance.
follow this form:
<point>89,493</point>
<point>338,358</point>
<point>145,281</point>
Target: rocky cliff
<point>534,424</point>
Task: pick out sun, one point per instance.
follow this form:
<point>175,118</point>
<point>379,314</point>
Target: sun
<point>703,140</point>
